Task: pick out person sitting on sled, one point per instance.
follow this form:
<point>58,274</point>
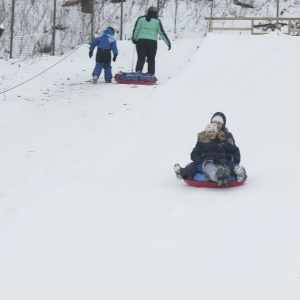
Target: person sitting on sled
<point>220,119</point>
<point>105,42</point>
<point>210,156</point>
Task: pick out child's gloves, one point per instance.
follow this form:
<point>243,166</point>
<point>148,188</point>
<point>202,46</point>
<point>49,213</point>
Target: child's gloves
<point>115,57</point>
<point>90,54</point>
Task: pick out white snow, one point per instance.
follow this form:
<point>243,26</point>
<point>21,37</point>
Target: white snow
<point>90,207</point>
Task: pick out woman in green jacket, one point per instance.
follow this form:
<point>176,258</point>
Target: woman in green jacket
<point>145,35</point>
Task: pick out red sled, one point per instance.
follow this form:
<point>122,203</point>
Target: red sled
<point>212,184</point>
<point>135,78</point>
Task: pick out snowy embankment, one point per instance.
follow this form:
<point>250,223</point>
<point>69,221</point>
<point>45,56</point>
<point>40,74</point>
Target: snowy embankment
<point>90,207</point>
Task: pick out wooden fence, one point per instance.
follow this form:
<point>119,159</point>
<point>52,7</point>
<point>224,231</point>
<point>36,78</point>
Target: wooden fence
<point>256,25</point>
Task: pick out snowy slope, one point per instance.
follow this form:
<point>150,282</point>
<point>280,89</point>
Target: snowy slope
<point>90,207</point>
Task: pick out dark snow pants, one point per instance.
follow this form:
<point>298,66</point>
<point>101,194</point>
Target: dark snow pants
<point>103,61</point>
<point>189,171</point>
<point>146,49</point>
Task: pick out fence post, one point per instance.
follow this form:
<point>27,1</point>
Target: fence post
<point>121,31</point>
<point>12,28</point>
<point>92,20</point>
<point>54,29</point>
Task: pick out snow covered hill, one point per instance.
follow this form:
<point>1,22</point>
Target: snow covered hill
<point>90,207</point>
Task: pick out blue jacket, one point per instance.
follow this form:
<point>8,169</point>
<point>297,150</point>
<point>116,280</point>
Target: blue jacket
<point>105,40</point>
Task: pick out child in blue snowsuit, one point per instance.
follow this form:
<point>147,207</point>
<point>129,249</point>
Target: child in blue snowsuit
<point>106,42</point>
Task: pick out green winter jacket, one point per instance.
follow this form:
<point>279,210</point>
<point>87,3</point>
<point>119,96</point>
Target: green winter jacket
<point>149,30</point>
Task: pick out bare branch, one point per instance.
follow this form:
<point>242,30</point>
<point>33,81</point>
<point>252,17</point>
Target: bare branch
<point>71,2</point>
<point>236,2</point>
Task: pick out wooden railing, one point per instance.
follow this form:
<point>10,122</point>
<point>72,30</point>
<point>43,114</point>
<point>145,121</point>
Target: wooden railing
<point>257,25</point>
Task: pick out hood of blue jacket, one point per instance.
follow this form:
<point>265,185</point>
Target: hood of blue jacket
<point>109,30</point>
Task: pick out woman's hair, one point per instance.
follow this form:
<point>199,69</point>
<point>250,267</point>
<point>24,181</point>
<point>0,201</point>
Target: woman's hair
<point>152,13</point>
<point>152,8</point>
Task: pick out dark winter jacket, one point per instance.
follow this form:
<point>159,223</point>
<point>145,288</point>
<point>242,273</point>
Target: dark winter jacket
<point>106,41</point>
<point>229,136</point>
<point>148,27</point>
<point>215,150</point>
